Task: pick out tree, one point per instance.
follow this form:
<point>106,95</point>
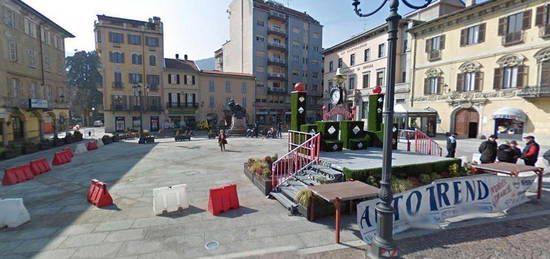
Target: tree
<point>84,79</point>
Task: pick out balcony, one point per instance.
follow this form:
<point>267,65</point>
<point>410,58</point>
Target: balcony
<point>25,103</point>
<point>277,62</point>
<point>276,76</point>
<point>545,31</point>
<point>277,90</point>
<point>118,85</point>
<point>277,16</point>
<point>276,46</point>
<point>277,31</point>
<point>534,92</point>
<point>135,103</point>
<point>434,55</point>
<point>512,38</point>
<point>176,105</point>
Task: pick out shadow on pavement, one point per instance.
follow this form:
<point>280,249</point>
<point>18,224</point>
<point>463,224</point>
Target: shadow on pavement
<point>182,213</point>
<point>234,213</point>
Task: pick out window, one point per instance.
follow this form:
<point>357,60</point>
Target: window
<point>351,83</point>
<point>134,39</point>
<point>405,45</point>
<point>98,37</point>
<point>116,37</point>
<point>512,27</point>
<point>135,78</point>
<point>34,90</point>
<point>178,79</point>
<point>212,86</point>
<point>30,28</point>
<point>117,80</point>
<point>545,73</point>
<point>13,90</point>
<point>260,22</point>
<point>212,101</point>
<point>153,81</point>
<point>260,38</point>
<point>152,41</point>
<point>330,66</point>
<point>244,88</point>
<point>366,80</point>
<point>184,79</point>
<point>472,35</point>
<point>469,81</point>
<point>227,86</point>
<point>434,46</point>
<point>136,59</point>
<point>193,80</point>
<point>352,59</point>
<point>32,57</point>
<point>339,62</point>
<point>511,77</point>
<point>9,17</point>
<point>116,57</point>
<point>380,78</point>
<point>243,101</point>
<point>366,56</point>
<point>382,50</point>
<point>12,49</point>
<point>46,61</point>
<point>543,15</point>
<point>152,60</point>
<point>433,85</point>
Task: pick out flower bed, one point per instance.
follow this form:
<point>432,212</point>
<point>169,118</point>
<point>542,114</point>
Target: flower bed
<point>263,183</point>
<point>259,172</point>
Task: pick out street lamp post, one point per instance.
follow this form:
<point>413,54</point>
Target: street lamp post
<point>137,92</point>
<point>383,244</point>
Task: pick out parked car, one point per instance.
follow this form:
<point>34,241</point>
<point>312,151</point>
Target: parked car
<point>98,124</point>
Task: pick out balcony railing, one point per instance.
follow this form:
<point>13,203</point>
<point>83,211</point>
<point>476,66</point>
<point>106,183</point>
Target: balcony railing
<point>181,105</point>
<point>276,90</point>
<point>277,15</point>
<point>512,38</point>
<point>118,84</point>
<point>276,45</point>
<point>275,76</point>
<point>434,55</point>
<point>534,92</point>
<point>276,61</point>
<point>135,103</point>
<point>277,31</point>
<point>545,31</point>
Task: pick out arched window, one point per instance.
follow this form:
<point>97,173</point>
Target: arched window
<point>470,77</point>
<point>512,73</point>
<point>543,60</point>
<point>433,83</point>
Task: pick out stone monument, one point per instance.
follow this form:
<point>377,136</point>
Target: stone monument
<point>238,119</point>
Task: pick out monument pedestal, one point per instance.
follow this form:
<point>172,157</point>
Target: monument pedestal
<point>238,127</point>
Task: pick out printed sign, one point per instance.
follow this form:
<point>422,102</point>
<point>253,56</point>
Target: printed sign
<point>38,103</point>
<point>431,204</point>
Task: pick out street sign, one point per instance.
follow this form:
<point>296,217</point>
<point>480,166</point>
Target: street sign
<point>38,104</point>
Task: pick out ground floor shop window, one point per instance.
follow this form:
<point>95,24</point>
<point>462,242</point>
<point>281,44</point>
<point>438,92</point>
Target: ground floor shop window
<point>176,121</point>
<point>506,128</point>
<point>17,126</point>
<point>155,123</point>
<point>120,124</point>
<point>136,123</point>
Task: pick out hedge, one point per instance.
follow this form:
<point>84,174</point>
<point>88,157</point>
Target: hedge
<point>311,128</point>
<point>324,126</point>
<point>359,143</point>
<point>328,145</point>
<point>373,175</point>
<point>347,132</point>
<point>374,119</point>
<point>297,118</point>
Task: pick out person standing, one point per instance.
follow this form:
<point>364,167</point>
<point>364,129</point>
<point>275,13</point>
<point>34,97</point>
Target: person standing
<point>488,150</point>
<point>516,152</point>
<point>530,151</point>
<point>505,153</point>
<point>451,144</point>
<point>222,140</point>
<point>279,130</point>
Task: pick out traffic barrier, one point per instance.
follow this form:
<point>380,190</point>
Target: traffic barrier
<point>40,166</point>
<point>170,198</point>
<point>81,148</point>
<point>61,157</point>
<point>17,174</point>
<point>69,151</point>
<point>92,145</point>
<point>98,194</point>
<point>223,199</point>
<point>13,213</point>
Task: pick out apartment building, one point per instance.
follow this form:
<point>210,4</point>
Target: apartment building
<point>132,56</point>
<point>362,60</point>
<point>33,89</point>
<point>280,47</point>
<point>486,69</point>
<point>181,92</point>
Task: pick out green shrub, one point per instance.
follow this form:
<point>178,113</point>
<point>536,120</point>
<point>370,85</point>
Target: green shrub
<point>347,132</point>
<point>311,128</point>
<point>324,126</point>
<point>321,179</point>
<point>329,145</point>
<point>360,143</point>
<point>266,172</point>
<point>400,185</point>
<point>435,176</point>
<point>297,118</point>
<point>425,178</point>
<point>374,118</point>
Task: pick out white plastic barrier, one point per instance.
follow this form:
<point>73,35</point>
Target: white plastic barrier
<point>80,148</point>
<point>476,158</point>
<point>170,198</point>
<point>99,142</point>
<point>13,213</point>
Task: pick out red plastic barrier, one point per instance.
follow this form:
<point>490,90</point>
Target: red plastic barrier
<point>40,166</point>
<point>92,145</point>
<point>98,194</point>
<point>223,199</point>
<point>69,151</point>
<point>61,158</point>
<point>17,174</point>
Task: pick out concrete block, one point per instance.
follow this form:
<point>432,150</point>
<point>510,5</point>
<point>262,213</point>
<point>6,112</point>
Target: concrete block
<point>13,213</point>
<point>170,198</point>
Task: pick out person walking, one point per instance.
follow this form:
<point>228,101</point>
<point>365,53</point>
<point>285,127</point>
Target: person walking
<point>508,152</point>
<point>530,151</point>
<point>451,144</point>
<point>488,150</point>
<point>222,140</point>
<point>279,130</point>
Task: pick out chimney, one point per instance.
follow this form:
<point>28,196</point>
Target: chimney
<point>185,57</point>
<point>470,3</point>
<point>177,56</point>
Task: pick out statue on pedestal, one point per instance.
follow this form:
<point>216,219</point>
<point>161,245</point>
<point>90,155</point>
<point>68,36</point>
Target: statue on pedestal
<point>238,119</point>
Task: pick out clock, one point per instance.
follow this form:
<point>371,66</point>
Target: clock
<point>336,96</point>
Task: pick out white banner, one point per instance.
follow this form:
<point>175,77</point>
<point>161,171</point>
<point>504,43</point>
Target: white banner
<point>431,204</point>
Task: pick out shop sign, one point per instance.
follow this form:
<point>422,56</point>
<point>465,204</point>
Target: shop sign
<point>429,205</point>
<point>38,103</point>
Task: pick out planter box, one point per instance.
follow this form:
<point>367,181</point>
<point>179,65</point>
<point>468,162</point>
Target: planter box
<point>263,183</point>
<point>322,208</point>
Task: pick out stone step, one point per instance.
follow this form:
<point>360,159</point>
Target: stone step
<point>291,191</point>
<point>290,205</point>
<point>330,173</point>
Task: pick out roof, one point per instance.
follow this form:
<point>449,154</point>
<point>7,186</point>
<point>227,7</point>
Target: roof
<point>41,16</point>
<point>222,73</point>
<point>281,8</point>
<point>180,64</point>
<point>424,24</point>
<point>355,38</point>
<point>118,19</point>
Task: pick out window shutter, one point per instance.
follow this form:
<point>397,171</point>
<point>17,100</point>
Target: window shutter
<point>184,79</point>
<point>527,19</point>
<point>545,74</point>
<point>541,14</point>
<point>442,42</point>
<point>502,24</point>
<point>428,45</point>
<point>169,80</point>
<point>481,36</point>
<point>179,99</point>
<point>463,37</point>
<point>193,80</point>
<point>497,79</point>
<point>523,80</point>
<point>178,79</point>
<point>426,86</point>
<point>169,99</point>
<point>460,82</point>
<point>193,98</point>
<point>439,85</point>
<point>479,81</point>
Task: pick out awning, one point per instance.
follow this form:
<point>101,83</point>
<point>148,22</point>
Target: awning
<point>510,114</point>
<point>405,109</point>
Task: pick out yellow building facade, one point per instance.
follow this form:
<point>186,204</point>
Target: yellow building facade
<point>132,55</point>
<point>33,91</point>
<point>486,69</point>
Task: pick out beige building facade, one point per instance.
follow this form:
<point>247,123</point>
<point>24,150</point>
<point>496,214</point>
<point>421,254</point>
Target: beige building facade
<point>486,69</point>
<point>132,56</point>
<point>33,90</point>
<point>181,93</point>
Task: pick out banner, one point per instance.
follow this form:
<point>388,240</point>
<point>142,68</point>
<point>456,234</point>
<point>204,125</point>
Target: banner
<point>429,205</point>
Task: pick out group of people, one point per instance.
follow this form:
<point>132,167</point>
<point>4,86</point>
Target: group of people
<point>271,132</point>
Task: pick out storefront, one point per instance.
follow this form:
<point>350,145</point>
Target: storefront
<point>509,122</point>
<point>155,123</point>
<point>412,118</point>
<point>120,124</point>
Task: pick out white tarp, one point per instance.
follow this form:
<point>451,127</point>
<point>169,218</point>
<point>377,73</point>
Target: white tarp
<point>432,204</point>
<point>170,198</point>
<point>13,213</point>
<point>80,148</point>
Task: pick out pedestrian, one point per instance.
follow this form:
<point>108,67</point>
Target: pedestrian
<point>506,153</point>
<point>222,140</point>
<point>256,129</point>
<point>279,130</point>
<point>451,144</point>
<point>515,150</point>
<point>530,151</point>
<point>488,150</point>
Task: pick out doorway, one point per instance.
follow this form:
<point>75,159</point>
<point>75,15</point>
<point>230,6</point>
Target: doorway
<point>466,123</point>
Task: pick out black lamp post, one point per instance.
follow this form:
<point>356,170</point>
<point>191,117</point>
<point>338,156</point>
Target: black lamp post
<point>137,93</point>
<point>383,244</point>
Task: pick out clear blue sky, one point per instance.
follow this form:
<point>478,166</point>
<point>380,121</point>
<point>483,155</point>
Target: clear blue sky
<point>197,27</point>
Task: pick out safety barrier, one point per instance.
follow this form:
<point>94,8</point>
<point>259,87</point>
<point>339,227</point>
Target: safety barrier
<point>81,148</point>
<point>40,166</point>
<point>223,199</point>
<point>61,157</point>
<point>69,151</point>
<point>13,213</point>
<point>170,198</point>
<point>17,174</point>
<point>92,145</point>
<point>98,194</point>
<point>423,144</point>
